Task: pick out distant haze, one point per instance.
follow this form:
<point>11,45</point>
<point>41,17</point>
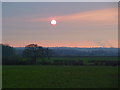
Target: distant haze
<point>83,24</point>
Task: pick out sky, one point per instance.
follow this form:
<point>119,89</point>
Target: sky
<point>79,24</point>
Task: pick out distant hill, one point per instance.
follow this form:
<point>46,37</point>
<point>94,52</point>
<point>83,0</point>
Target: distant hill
<point>74,51</point>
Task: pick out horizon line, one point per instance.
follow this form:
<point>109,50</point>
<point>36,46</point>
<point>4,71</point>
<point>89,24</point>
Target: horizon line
<point>67,46</point>
<point>70,47</point>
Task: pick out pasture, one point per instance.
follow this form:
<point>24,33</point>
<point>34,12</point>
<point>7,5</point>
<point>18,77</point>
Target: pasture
<point>38,76</point>
<point>86,61</point>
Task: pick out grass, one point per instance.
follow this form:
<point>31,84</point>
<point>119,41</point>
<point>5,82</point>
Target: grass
<point>32,76</point>
<point>85,59</point>
<point>0,76</point>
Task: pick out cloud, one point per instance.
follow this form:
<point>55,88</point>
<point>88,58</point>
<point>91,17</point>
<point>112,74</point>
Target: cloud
<point>105,15</point>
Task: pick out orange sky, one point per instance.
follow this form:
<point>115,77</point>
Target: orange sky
<point>82,44</point>
<point>108,15</point>
<point>81,28</point>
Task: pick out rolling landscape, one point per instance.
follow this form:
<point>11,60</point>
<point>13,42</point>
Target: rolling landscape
<point>62,69</point>
<point>60,45</point>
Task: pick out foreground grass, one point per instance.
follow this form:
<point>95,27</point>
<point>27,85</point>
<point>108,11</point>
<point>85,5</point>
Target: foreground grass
<point>60,77</point>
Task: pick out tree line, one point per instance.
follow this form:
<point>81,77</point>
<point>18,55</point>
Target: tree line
<point>34,54</point>
<point>29,56</point>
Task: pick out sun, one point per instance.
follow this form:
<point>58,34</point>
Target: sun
<point>53,22</point>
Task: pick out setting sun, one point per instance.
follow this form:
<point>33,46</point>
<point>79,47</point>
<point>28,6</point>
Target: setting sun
<point>53,22</point>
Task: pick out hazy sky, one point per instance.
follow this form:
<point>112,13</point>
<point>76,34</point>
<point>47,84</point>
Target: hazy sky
<point>80,24</point>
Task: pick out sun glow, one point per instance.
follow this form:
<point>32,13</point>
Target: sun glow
<point>53,22</point>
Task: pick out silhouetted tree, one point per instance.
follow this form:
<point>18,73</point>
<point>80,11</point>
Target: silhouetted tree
<point>33,51</point>
<point>8,55</point>
<point>7,50</point>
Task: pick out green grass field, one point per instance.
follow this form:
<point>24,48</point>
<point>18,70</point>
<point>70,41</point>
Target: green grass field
<point>32,76</point>
<point>85,59</point>
<point>82,58</point>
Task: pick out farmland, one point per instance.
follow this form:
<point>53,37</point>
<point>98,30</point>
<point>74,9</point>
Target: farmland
<point>64,76</point>
<point>102,61</point>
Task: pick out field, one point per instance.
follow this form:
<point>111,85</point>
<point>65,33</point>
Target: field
<point>86,61</point>
<point>60,76</point>
<point>87,58</point>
